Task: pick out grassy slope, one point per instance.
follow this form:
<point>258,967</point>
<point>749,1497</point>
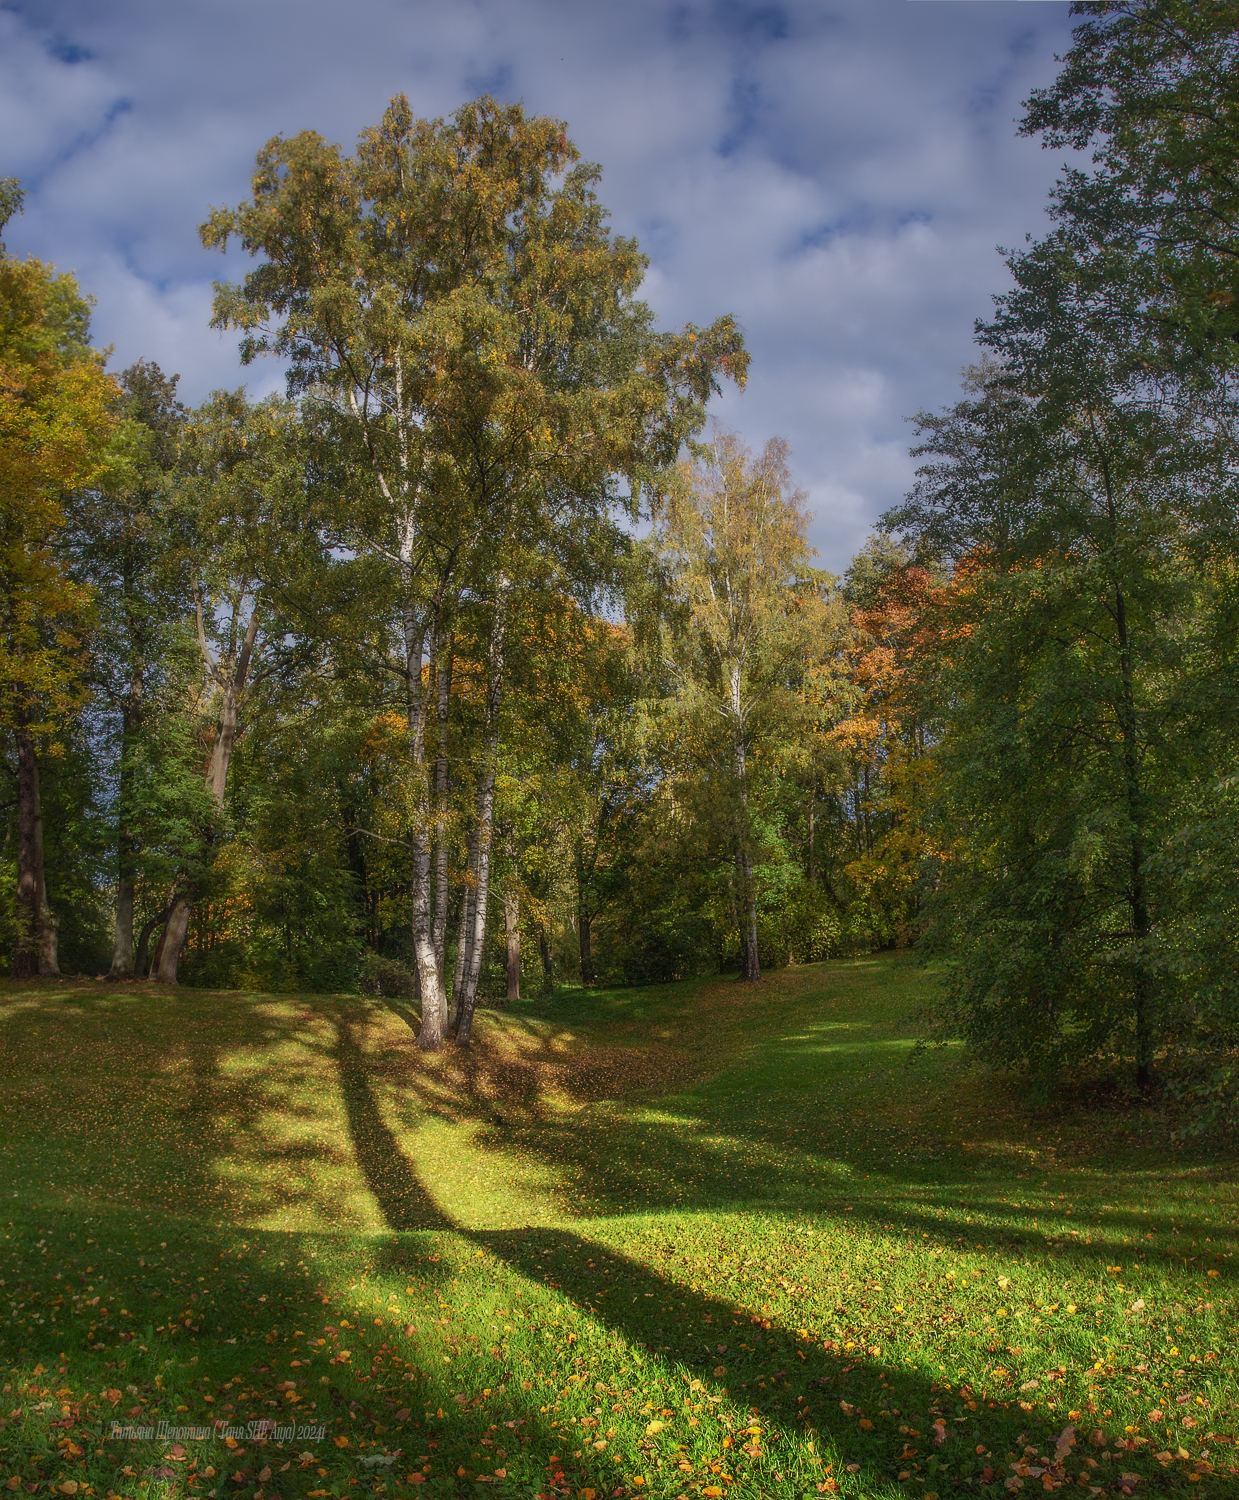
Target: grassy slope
<point>681,1241</point>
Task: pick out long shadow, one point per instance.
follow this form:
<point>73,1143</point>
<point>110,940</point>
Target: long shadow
<point>890,1423</point>
<point>403,1200</point>
<point>790,1384</point>
<point>877,1175</point>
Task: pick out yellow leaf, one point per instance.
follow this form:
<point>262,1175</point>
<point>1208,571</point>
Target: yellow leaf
<point>653,1427</point>
<point>712,1489</point>
<point>341,1441</point>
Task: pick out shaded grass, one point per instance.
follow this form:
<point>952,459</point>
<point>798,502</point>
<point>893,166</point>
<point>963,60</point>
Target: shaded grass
<point>746,1240</point>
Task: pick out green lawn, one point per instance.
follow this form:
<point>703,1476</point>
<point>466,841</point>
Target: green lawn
<point>691,1240</point>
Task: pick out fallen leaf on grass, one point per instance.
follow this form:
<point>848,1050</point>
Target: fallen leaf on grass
<point>653,1427</point>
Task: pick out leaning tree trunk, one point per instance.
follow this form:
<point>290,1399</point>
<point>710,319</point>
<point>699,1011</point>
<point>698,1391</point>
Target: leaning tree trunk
<point>485,820</point>
<point>143,943</point>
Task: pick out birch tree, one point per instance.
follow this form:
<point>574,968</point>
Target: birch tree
<point>465,331</point>
<point>748,616</point>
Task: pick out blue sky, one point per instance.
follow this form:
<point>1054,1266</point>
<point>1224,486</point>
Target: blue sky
<point>836,173</point>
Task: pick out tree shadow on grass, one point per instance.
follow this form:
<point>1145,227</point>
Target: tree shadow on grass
<point>891,1422</point>
<point>668,1332</point>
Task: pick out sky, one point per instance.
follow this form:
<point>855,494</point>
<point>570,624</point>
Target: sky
<point>837,174</point>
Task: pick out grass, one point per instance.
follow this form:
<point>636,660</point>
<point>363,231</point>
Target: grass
<point>680,1241</point>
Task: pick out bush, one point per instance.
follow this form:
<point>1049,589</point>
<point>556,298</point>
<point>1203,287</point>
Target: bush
<point>377,975</point>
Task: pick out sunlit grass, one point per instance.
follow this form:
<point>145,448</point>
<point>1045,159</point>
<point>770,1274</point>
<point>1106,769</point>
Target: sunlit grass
<point>679,1241</point>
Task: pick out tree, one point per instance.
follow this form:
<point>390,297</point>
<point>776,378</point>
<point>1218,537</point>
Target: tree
<point>748,616</point>
<point>466,334</point>
<point>56,422</point>
<point>1152,88</point>
<point>242,487</point>
<point>124,541</point>
<point>1060,507</point>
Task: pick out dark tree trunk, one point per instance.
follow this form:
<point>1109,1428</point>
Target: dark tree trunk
<point>1138,899</point>
<point>29,875</point>
<point>229,677</point>
<point>585,941</point>
<point>144,938</point>
<point>1138,887</point>
<point>36,924</point>
<point>126,851</point>
<point>512,929</point>
<point>548,962</point>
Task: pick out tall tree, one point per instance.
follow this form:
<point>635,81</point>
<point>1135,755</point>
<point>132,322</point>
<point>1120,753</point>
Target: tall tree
<point>748,618</point>
<point>124,541</point>
<point>466,333</point>
<point>241,487</point>
<point>57,417</point>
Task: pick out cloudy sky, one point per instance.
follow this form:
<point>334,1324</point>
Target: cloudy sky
<point>836,173</point>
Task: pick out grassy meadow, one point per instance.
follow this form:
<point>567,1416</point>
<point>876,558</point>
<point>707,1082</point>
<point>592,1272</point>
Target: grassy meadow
<point>700,1239</point>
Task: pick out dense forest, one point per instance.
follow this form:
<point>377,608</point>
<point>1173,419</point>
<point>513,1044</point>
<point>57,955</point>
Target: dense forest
<point>480,660</point>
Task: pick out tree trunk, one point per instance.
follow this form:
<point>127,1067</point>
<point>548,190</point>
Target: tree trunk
<point>36,923</point>
<point>485,820</point>
<point>548,962</point>
<point>230,678</point>
<point>172,941</point>
<point>750,964</point>
<point>429,974</point>
<point>144,938</point>
<point>585,939</point>
<point>512,927</point>
<point>1138,892</point>
<point>122,939</point>
<point>126,851</point>
<point>443,686</point>
<point>466,928</point>
<point>29,873</point>
<point>812,831</point>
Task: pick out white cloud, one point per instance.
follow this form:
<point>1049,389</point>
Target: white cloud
<point>836,175</point>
